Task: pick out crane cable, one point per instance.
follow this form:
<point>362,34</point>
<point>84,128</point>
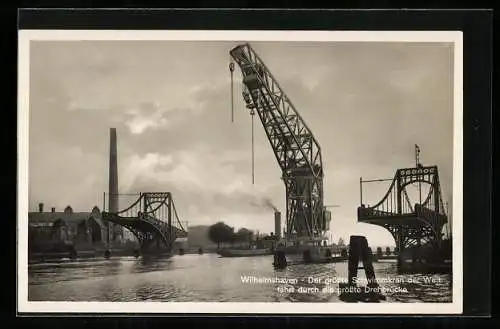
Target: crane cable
<point>231,69</point>
<point>252,113</point>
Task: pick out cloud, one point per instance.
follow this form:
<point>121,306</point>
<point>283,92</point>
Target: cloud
<point>67,179</point>
<point>213,178</point>
<point>148,115</point>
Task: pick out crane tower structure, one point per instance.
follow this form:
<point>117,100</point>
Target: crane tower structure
<point>296,149</point>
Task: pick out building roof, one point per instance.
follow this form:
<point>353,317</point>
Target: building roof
<point>50,217</point>
<point>68,216</point>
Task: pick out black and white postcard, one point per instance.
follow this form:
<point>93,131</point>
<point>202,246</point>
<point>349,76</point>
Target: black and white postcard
<point>240,172</point>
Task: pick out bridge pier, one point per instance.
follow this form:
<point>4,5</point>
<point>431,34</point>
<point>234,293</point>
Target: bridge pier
<point>280,261</point>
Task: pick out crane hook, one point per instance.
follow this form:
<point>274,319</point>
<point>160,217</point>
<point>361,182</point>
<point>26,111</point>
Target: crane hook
<point>231,69</point>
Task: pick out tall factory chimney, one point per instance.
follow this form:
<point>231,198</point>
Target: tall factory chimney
<point>277,224</point>
<point>113,172</point>
<point>113,180</point>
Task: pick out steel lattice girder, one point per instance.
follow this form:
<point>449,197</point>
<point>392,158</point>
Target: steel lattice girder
<point>152,217</point>
<point>144,230</point>
<point>295,148</point>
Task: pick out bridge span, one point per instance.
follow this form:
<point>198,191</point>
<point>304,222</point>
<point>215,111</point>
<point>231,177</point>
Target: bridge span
<point>153,220</point>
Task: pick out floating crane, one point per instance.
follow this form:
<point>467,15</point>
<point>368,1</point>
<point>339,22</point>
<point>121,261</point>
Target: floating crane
<point>296,149</point>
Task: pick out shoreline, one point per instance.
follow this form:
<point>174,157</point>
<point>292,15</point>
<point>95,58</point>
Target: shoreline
<point>44,257</point>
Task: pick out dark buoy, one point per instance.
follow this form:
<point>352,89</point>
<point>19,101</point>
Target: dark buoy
<point>136,253</point>
<point>400,263</point>
<point>181,251</point>
<point>107,253</point>
<point>350,292</point>
<point>280,259</point>
<point>306,256</point>
<point>200,251</point>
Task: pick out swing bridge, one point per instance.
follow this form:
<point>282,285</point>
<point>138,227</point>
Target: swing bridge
<point>409,224</point>
<point>152,219</point>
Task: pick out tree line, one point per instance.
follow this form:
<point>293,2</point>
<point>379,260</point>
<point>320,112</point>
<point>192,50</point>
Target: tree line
<point>223,233</point>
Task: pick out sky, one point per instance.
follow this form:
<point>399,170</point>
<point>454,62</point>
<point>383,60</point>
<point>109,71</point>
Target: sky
<point>366,103</point>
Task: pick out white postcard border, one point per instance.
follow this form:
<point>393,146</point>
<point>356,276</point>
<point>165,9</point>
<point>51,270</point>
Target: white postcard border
<point>25,36</point>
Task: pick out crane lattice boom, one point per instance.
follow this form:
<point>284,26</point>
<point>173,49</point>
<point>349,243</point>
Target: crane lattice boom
<point>296,149</point>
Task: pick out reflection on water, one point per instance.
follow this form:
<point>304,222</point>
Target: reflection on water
<point>209,278</point>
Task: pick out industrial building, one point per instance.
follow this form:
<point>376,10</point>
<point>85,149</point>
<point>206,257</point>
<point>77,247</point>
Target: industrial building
<point>51,230</point>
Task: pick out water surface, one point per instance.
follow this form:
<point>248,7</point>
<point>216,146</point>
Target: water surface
<point>210,278</point>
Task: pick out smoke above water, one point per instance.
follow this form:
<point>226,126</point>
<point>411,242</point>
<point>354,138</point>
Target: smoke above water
<point>270,204</point>
<point>264,203</point>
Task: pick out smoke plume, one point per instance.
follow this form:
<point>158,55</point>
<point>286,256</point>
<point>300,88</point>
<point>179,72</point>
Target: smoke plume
<point>263,203</point>
<point>269,203</point>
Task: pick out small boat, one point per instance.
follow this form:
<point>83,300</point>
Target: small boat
<point>313,251</point>
<point>244,252</point>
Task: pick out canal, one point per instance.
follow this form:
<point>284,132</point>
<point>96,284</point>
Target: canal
<point>210,278</point>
